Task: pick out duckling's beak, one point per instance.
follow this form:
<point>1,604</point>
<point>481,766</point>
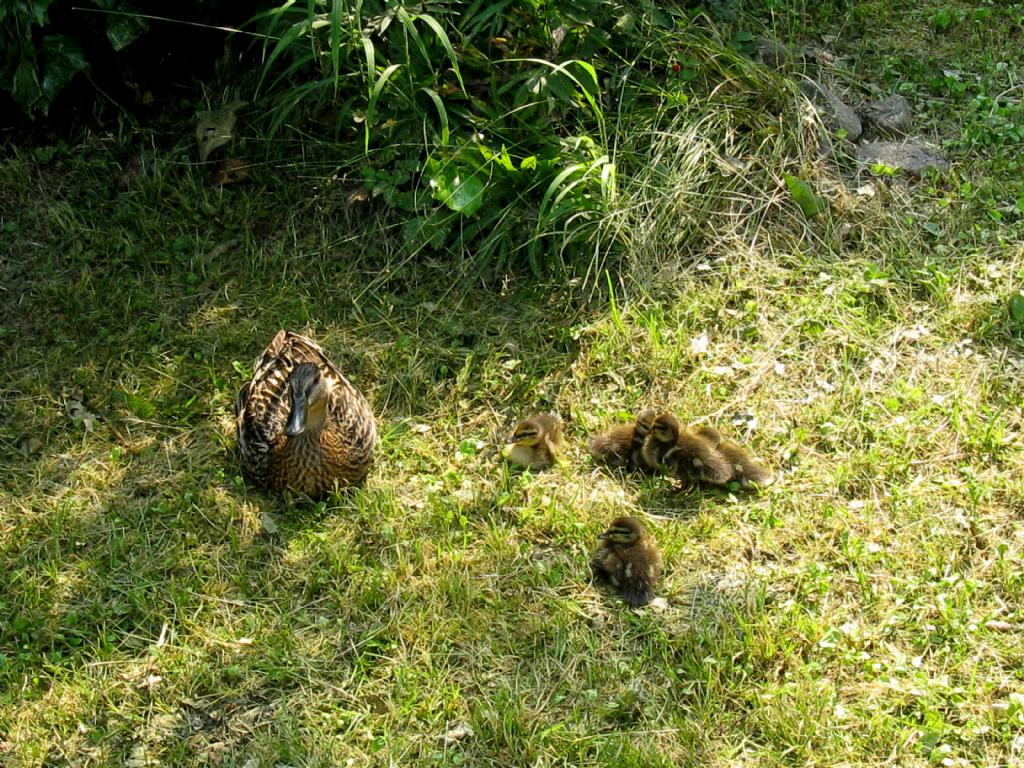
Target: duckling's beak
<point>297,418</point>
<point>603,536</point>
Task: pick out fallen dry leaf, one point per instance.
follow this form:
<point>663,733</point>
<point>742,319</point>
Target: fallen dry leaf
<point>78,412</point>
<point>231,170</point>
<point>997,625</point>
<point>699,344</point>
<point>215,128</point>
<point>269,525</point>
<point>458,733</point>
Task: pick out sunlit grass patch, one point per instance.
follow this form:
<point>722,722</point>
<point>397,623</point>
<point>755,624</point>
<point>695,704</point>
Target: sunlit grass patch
<point>156,609</point>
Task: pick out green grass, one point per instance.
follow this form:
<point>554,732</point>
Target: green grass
<point>865,611</point>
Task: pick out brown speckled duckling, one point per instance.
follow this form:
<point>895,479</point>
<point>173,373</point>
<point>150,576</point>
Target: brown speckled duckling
<point>628,557</point>
<point>688,455</point>
<point>746,470</point>
<point>622,445</point>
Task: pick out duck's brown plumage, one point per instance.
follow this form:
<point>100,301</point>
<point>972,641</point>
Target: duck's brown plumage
<point>687,454</point>
<point>746,470</point>
<point>702,454</point>
<point>338,452</point>
<point>628,557</point>
<point>536,441</point>
<point>622,445</point>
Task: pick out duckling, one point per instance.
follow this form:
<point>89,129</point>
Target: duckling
<point>687,454</point>
<point>300,424</point>
<point>628,557</point>
<point>746,470</point>
<point>622,445</point>
<point>536,441</point>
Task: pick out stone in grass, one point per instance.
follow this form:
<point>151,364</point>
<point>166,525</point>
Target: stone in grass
<point>908,156</point>
<point>890,116</point>
<point>772,54</point>
<point>833,111</point>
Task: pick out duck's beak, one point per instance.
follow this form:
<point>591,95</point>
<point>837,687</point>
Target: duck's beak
<point>297,418</point>
<point>603,536</point>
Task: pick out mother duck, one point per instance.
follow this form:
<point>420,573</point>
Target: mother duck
<point>300,423</point>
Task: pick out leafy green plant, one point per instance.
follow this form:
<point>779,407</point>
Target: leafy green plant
<point>35,67</point>
<point>1016,310</point>
<point>474,113</point>
<point>45,45</point>
<point>803,194</point>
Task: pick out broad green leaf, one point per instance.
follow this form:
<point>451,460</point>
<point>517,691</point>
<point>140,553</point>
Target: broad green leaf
<point>64,60</point>
<point>804,195</point>
<point>26,85</point>
<point>124,28</point>
<point>38,9</point>
<point>467,195</point>
<point>1017,309</point>
<point>505,160</point>
<point>459,189</point>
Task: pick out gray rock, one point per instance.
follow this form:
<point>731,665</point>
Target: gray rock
<point>834,113</point>
<point>773,54</point>
<point>909,156</point>
<point>890,116</point>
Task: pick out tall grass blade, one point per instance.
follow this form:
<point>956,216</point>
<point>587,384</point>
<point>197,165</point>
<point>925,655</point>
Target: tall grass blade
<point>442,113</point>
<point>613,306</point>
<point>336,9</point>
<point>286,40</point>
<point>431,22</point>
<point>374,95</point>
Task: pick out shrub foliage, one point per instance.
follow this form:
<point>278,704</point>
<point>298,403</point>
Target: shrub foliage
<point>488,122</point>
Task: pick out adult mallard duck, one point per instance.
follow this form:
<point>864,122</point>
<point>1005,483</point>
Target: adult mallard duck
<point>300,423</point>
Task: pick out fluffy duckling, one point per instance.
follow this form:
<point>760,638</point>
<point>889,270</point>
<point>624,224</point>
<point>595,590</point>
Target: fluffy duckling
<point>746,470</point>
<point>628,557</point>
<point>622,445</point>
<point>688,454</point>
<point>536,441</point>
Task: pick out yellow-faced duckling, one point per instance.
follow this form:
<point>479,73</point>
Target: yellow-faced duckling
<point>687,455</point>
<point>300,423</point>
<point>628,557</point>
<point>536,441</point>
<point>622,445</point>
